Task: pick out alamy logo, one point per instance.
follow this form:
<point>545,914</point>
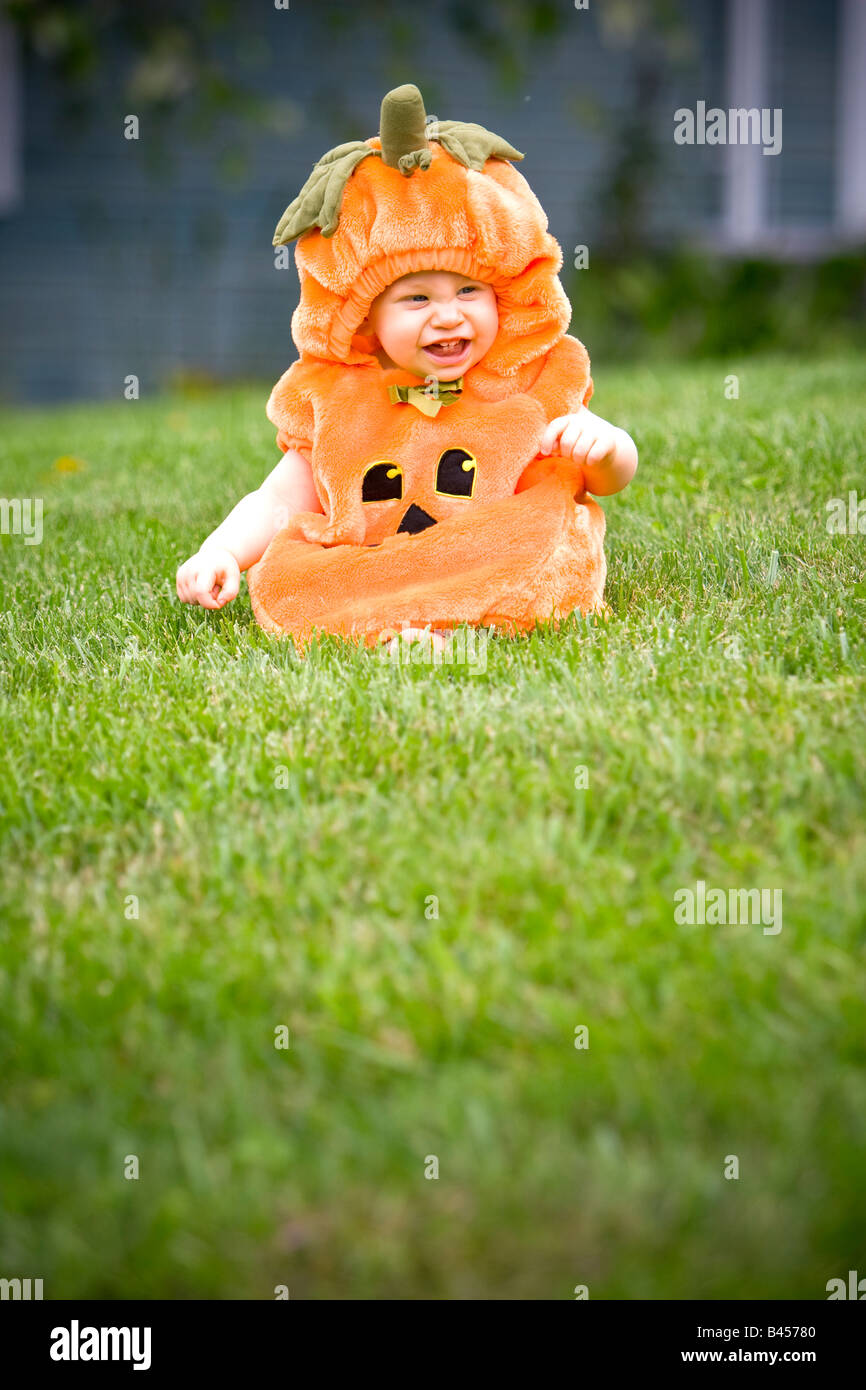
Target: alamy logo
<point>850,520</point>
<point>737,907</point>
<point>22,516</point>
<point>21,1288</point>
<point>741,125</point>
<point>852,1291</point>
<point>102,1344</point>
<point>464,647</point>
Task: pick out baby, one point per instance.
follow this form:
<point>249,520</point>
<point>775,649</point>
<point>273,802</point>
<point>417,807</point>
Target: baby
<point>438,449</point>
<point>434,324</point>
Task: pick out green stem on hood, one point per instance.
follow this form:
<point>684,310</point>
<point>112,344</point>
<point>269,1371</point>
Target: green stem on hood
<point>401,129</point>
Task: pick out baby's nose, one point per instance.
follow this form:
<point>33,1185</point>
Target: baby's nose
<point>446,315</point>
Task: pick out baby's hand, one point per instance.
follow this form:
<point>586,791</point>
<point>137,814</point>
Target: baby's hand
<point>606,454</point>
<point>211,578</point>
<point>584,437</point>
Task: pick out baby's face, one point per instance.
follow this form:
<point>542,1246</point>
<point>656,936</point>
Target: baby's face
<point>434,323</point>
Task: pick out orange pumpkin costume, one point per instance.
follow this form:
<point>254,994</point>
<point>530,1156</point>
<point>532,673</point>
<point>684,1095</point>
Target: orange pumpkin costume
<point>445,513</point>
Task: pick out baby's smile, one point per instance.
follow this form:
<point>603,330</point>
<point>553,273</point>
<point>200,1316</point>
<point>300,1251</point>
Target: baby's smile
<point>449,351</point>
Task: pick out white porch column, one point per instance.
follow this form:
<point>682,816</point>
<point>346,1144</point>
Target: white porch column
<point>851,117</point>
<point>10,136</point>
<point>745,189</point>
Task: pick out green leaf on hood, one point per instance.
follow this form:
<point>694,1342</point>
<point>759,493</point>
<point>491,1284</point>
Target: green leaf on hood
<point>318,203</point>
<point>471,144</point>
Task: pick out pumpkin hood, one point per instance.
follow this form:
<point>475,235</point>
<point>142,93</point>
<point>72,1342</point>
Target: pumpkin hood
<point>421,195</point>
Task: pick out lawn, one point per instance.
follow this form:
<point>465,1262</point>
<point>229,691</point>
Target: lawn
<point>207,839</point>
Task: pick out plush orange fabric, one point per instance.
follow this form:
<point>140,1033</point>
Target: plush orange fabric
<point>535,555</point>
<point>510,544</point>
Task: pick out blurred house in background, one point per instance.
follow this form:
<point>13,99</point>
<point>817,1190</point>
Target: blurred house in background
<point>152,255</point>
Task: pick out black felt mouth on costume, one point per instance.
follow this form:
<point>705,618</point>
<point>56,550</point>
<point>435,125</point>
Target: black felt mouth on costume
<point>415,520</point>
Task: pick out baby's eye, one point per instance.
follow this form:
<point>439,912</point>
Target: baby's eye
<point>416,296</point>
<point>468,289</point>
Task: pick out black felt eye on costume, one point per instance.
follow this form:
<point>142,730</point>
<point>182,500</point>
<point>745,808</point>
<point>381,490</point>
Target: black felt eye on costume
<point>455,476</point>
<point>383,482</point>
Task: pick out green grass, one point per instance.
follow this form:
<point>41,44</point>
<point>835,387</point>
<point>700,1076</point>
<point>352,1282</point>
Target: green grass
<point>719,716</point>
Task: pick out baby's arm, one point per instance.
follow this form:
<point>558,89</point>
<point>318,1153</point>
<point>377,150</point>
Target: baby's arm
<point>212,576</point>
<point>606,454</point>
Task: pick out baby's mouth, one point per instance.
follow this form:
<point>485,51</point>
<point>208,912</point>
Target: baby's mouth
<point>447,349</point>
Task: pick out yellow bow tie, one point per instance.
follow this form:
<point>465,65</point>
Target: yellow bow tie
<point>428,399</point>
